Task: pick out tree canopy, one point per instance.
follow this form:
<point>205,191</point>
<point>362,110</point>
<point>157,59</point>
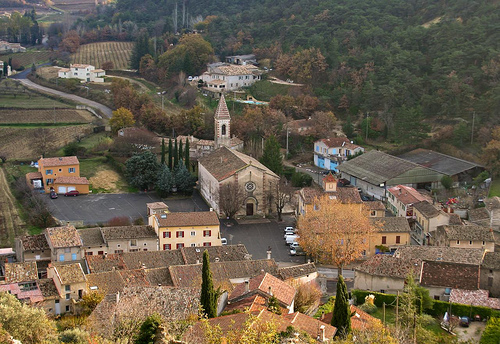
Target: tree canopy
<point>121,118</point>
<point>272,158</point>
<point>142,170</point>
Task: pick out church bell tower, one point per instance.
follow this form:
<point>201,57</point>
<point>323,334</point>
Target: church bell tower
<point>222,125</point>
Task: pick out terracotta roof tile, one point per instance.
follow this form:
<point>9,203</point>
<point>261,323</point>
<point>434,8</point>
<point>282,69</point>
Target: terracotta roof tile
<point>30,296</point>
<point>157,205</point>
<point>109,282</point>
<point>391,224</point>
<point>48,288</point>
<point>72,180</point>
<point>134,260</point>
<point>159,276</point>
<point>66,236</point>
<point>470,232</point>
<point>492,203</point>
<point>198,218</point>
<point>360,320</point>
<point>103,263</point>
<point>374,205</point>
<point>91,237</point>
<point>427,209</point>
<point>128,232</point>
<point>34,242</point>
<point>216,253</point>
<point>473,256</point>
<point>450,275</point>
<point>479,215</point>
<point>222,112</point>
<point>474,298</point>
<point>251,303</point>
<point>407,195</point>
<point>310,325</point>
<point>491,260</point>
<point>34,175</point>
<point>20,272</point>
<point>334,142</point>
<point>70,273</point>
<point>387,265</point>
<point>60,161</point>
<point>297,271</point>
<point>266,284</point>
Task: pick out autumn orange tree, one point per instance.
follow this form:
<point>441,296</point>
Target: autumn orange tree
<point>335,233</point>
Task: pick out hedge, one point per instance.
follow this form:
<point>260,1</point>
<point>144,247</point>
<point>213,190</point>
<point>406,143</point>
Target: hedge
<point>438,308</point>
<point>491,333</point>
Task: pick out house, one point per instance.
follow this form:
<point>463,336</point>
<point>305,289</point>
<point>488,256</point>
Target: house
<point>490,273</point>
<point>229,167</point>
<point>32,247</point>
<point>316,330</point>
<point>71,283</point>
<point>479,216</point>
<point>376,208</point>
<point>492,206</point>
<point>392,232</point>
<point>84,72</point>
<point>400,200</point>
<point>21,281</point>
<point>474,298</point>
<point>8,48</point>
<point>59,174</point>
<point>263,287</point>
<point>177,230</point>
<point>374,172</point>
<point>156,208</point>
<point>221,77</point>
<point>461,171</point>
<point>65,244</point>
<point>428,219</point>
<point>297,275</point>
<point>470,236</point>
<point>439,269</point>
<point>242,59</point>
<point>9,69</point>
<point>331,152</point>
<point>301,126</point>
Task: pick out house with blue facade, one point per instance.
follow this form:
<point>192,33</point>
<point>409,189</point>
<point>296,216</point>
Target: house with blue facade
<point>329,153</point>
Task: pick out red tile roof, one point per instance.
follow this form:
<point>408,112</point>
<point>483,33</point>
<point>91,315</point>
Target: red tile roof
<point>335,141</point>
<point>329,178</point>
<point>360,320</point>
<point>199,218</point>
<point>66,236</point>
<point>61,161</point>
<point>407,195</point>
<point>34,175</point>
<point>268,285</point>
<point>72,180</point>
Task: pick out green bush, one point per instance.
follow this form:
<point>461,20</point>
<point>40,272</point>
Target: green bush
<point>74,148</point>
<point>491,333</point>
<point>359,297</point>
<point>300,179</point>
<point>447,182</point>
<point>368,308</point>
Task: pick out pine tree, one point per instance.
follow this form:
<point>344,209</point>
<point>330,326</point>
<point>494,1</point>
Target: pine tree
<point>170,154</point>
<point>348,128</point>
<point>181,156</point>
<point>341,318</point>
<point>165,181</point>
<point>183,180</point>
<point>187,163</point>
<point>175,155</point>
<point>162,151</point>
<point>209,295</point>
<point>272,158</point>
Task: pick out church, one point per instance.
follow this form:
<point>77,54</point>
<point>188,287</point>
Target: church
<point>227,165</point>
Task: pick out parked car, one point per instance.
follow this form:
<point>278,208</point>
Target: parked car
<point>289,229</point>
<point>464,321</point>
<point>72,193</point>
<point>53,194</point>
<point>223,241</point>
<point>288,233</point>
<point>291,238</point>
<point>294,245</point>
<point>297,251</point>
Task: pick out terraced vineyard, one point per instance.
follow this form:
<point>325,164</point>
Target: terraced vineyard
<point>74,5</point>
<point>44,116</point>
<point>98,53</point>
<point>26,59</point>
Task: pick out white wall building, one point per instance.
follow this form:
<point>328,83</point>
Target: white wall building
<point>83,72</point>
<point>222,77</point>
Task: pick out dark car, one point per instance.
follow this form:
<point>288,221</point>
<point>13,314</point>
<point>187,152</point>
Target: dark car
<point>72,193</point>
<point>53,195</point>
<point>464,321</point>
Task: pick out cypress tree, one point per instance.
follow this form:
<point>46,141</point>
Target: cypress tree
<point>170,154</point>
<point>272,158</point>
<point>341,318</point>
<point>209,295</point>
<point>187,163</point>
<point>175,154</point>
<point>162,151</point>
<point>181,156</point>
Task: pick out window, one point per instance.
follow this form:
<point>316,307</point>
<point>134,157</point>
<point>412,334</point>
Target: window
<point>384,240</point>
<point>61,257</point>
<point>89,253</point>
<point>223,131</point>
<point>100,252</point>
<point>145,249</point>
<point>436,297</point>
<point>60,170</point>
<point>180,246</point>
<point>207,244</point>
<point>71,170</point>
<point>179,234</point>
<point>193,245</point>
<point>73,256</point>
<point>118,251</point>
<point>373,213</point>
<point>133,250</point>
<point>470,242</point>
<point>67,308</point>
<point>80,293</point>
<point>193,233</point>
<point>364,253</point>
<point>398,239</point>
<point>167,234</point>
<point>484,242</point>
<point>458,242</point>
<point>145,244</point>
<point>207,233</point>
<point>68,296</point>
<point>50,181</point>
<point>118,245</point>
<point>133,242</point>
<point>167,247</point>
<point>490,281</point>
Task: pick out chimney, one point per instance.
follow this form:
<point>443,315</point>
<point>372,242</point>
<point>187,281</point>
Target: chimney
<point>270,290</point>
<point>308,261</point>
<point>322,329</point>
<point>197,261</point>
<point>117,297</point>
<point>105,255</point>
<point>247,286</point>
<point>269,252</point>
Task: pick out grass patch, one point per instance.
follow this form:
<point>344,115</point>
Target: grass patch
<point>495,188</point>
<point>390,314</point>
<point>265,90</point>
<point>28,100</point>
<point>89,167</point>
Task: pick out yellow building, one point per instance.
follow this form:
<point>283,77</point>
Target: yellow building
<point>177,230</point>
<point>60,174</point>
<point>392,232</point>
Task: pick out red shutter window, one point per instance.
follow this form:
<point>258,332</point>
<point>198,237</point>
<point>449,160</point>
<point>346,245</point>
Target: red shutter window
<point>207,233</point>
<point>167,247</point>
<point>179,234</point>
<point>384,240</point>
<point>398,239</point>
<point>180,246</point>
<point>207,244</point>
<point>167,235</point>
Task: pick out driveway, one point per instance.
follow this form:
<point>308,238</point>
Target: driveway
<point>100,208</point>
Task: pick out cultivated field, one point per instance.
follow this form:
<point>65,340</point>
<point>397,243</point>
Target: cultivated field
<point>28,58</point>
<point>45,116</point>
<point>74,5</point>
<point>11,224</point>
<point>24,143</point>
<point>100,52</point>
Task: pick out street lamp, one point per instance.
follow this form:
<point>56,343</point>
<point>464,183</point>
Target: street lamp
<point>161,94</point>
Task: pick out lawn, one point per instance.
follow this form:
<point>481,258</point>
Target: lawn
<point>495,188</point>
<point>265,90</point>
<point>103,178</point>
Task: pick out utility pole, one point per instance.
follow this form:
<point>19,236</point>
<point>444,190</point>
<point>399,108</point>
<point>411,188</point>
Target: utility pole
<point>367,123</point>
<point>472,132</point>
<point>383,307</point>
<point>286,141</point>
<point>397,310</point>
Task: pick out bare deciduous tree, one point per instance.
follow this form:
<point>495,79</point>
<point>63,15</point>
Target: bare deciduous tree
<point>43,140</point>
<point>231,198</point>
<point>283,193</point>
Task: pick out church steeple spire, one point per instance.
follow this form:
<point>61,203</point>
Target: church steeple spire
<point>222,125</point>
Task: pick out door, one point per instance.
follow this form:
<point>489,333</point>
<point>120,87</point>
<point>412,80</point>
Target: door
<point>58,307</point>
<point>249,209</point>
<point>61,189</point>
<point>71,188</point>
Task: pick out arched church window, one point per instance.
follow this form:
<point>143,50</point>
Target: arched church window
<point>223,129</point>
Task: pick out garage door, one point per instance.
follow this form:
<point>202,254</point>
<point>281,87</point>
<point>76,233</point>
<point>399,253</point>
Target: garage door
<point>61,189</point>
<point>71,188</point>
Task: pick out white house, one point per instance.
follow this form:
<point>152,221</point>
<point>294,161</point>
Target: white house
<point>83,72</point>
<point>222,77</point>
<point>401,198</point>
<point>9,70</point>
<point>6,47</point>
<point>329,153</point>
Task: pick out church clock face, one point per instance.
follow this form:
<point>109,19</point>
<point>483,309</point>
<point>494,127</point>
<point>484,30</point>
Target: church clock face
<point>250,186</point>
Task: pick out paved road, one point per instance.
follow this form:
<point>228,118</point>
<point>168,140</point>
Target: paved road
<point>22,78</point>
<point>100,208</point>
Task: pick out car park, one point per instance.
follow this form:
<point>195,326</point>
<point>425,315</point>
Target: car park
<point>72,193</point>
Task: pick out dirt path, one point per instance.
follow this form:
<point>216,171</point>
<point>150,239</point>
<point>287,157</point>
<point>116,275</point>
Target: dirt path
<point>11,224</point>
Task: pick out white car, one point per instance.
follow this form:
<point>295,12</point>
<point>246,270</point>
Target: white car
<point>223,241</point>
<point>287,233</point>
<point>291,239</point>
<point>289,229</point>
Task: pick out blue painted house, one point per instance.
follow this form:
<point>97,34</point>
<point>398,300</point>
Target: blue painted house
<point>329,153</point>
